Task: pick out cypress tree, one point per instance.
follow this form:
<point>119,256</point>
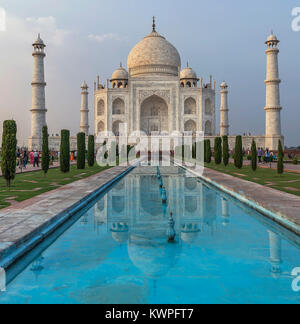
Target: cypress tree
<point>238,155</point>
<point>65,151</point>
<point>91,151</point>
<point>218,150</point>
<point>280,166</point>
<point>208,152</point>
<point>45,151</point>
<point>205,151</point>
<point>226,155</point>
<point>81,151</point>
<point>254,156</point>
<point>9,148</point>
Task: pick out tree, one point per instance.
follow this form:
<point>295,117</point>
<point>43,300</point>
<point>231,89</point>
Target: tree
<point>65,151</point>
<point>226,155</point>
<point>91,151</point>
<point>218,150</point>
<point>280,166</point>
<point>81,151</point>
<point>238,155</point>
<point>45,151</point>
<point>254,156</point>
<point>208,152</point>
<point>9,148</point>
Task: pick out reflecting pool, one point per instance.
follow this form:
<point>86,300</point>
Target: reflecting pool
<point>117,250</point>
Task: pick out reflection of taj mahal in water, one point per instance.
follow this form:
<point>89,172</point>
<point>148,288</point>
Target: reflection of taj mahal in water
<point>135,216</point>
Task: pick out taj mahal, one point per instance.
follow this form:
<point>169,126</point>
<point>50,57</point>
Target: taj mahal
<point>155,95</point>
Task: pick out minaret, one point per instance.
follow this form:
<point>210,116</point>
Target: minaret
<point>224,110</point>
<point>273,107</point>
<point>38,109</point>
<point>84,111</point>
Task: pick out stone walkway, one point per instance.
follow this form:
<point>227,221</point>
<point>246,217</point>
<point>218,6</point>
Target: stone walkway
<point>285,205</point>
<point>30,168</point>
<point>288,167</point>
<point>24,223</point>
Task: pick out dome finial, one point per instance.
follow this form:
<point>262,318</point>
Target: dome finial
<point>154,25</point>
<point>121,65</point>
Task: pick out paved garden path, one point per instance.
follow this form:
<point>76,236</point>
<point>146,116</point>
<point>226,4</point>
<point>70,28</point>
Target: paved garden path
<point>288,167</point>
<point>30,168</point>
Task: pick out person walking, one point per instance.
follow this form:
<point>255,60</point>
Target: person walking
<point>25,159</point>
<point>31,158</point>
<point>259,154</point>
<point>35,159</point>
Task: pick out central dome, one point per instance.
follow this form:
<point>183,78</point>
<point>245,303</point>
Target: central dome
<point>154,55</point>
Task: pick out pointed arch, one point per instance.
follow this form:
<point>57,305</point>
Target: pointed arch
<point>101,127</point>
<point>190,126</point>
<point>208,128</point>
<point>208,107</point>
<point>100,108</point>
<point>118,107</point>
<point>190,106</point>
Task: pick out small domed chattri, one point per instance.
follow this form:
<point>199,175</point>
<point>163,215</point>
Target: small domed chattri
<point>120,74</point>
<point>188,73</point>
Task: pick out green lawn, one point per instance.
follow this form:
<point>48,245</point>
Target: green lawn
<point>31,184</point>
<point>288,182</point>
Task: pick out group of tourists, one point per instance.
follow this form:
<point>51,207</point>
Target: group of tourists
<point>24,157</point>
<point>265,156</point>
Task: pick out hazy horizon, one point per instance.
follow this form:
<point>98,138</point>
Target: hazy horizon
<point>225,39</point>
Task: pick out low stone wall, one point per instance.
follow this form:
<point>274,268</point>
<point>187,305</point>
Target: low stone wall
<point>54,143</point>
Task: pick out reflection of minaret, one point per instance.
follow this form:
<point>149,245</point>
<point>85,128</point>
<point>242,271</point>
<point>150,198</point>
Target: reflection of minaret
<point>275,254</point>
<point>225,212</point>
<point>37,267</point>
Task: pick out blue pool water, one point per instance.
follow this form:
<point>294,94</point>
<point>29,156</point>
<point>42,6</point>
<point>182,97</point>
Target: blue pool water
<point>117,251</point>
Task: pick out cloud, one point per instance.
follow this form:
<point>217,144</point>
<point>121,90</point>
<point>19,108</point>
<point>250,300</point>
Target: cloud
<point>16,65</point>
<point>104,37</point>
<point>48,27</point>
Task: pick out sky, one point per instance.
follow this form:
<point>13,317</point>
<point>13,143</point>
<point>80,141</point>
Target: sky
<point>87,38</point>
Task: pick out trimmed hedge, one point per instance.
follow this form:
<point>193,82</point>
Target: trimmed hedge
<point>45,151</point>
<point>226,154</point>
<point>218,150</point>
<point>254,156</point>
<point>91,151</point>
<point>81,151</point>
<point>280,166</point>
<point>9,148</point>
<point>238,154</point>
<point>65,151</point>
